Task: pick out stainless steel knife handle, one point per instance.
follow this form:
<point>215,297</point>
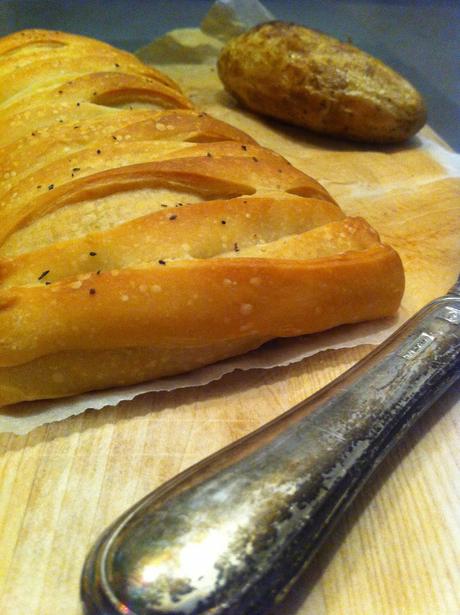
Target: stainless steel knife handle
<point>232,533</point>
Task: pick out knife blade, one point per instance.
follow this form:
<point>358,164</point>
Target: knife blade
<point>233,533</point>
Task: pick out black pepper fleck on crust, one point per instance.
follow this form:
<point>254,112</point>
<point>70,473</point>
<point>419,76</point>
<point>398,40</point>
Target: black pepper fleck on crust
<point>162,262</point>
<point>42,275</point>
<point>92,291</point>
<point>92,253</point>
<point>172,217</point>
<point>51,186</point>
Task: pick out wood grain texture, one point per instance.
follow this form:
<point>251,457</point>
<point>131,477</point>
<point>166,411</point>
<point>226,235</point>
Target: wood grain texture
<point>397,550</point>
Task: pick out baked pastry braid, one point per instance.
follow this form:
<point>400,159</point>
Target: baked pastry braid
<point>141,242</point>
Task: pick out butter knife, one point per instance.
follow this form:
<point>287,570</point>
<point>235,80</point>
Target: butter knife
<point>231,534</point>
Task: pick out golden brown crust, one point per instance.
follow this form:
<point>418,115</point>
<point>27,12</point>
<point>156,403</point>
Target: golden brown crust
<point>184,302</point>
<point>22,156</point>
<point>73,372</point>
<point>307,78</point>
<point>211,169</point>
<point>32,59</point>
<point>193,231</point>
<point>139,243</point>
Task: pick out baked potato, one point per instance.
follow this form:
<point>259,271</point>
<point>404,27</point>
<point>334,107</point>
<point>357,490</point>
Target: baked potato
<point>307,78</point>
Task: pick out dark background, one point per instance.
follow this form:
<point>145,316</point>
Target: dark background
<point>418,38</point>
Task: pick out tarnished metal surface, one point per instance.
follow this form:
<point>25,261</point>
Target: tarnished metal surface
<point>230,535</point>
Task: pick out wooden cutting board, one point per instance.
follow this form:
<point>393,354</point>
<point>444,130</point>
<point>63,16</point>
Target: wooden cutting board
<point>396,552</point>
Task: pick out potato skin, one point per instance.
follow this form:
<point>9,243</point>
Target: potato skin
<point>312,80</point>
